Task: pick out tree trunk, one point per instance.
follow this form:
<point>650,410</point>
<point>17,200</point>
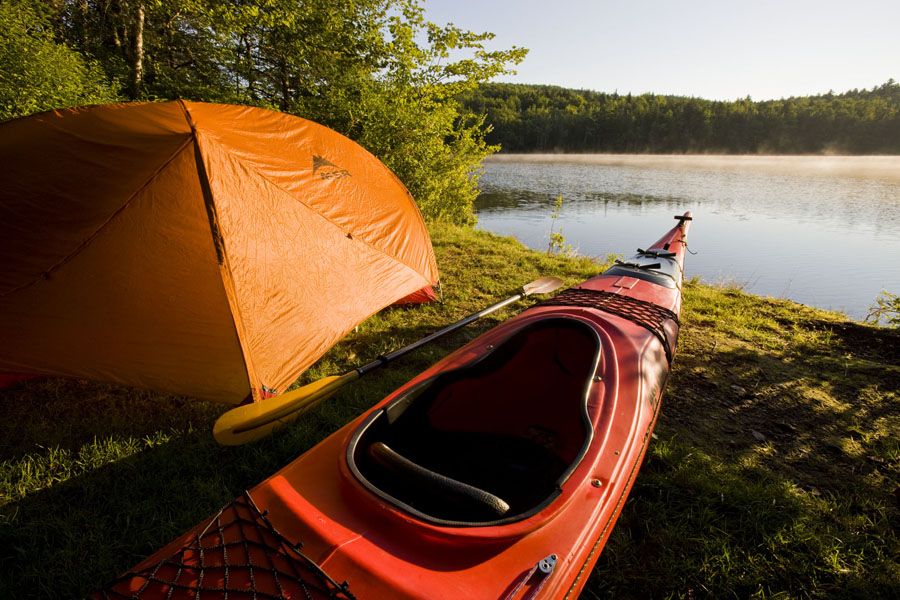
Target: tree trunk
<point>285,93</point>
<point>137,62</point>
<point>82,21</point>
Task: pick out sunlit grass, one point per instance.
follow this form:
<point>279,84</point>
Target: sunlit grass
<point>775,472</point>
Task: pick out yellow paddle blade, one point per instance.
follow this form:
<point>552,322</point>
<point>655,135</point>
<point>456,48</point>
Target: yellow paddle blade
<point>254,421</point>
<point>544,285</point>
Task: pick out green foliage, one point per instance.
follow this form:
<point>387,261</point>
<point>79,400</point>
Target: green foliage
<point>408,115</point>
<point>557,241</point>
<point>887,307</point>
<point>530,118</point>
<point>36,72</point>
<point>360,67</point>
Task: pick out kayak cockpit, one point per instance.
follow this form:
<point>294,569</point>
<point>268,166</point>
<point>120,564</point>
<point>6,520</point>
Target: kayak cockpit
<point>492,441</point>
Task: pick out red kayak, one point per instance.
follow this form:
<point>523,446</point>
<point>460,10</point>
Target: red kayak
<point>497,473</point>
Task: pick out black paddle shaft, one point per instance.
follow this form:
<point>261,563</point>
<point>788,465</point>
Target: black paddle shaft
<point>386,358</point>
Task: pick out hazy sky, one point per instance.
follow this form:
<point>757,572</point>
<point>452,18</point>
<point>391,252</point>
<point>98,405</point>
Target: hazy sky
<point>716,49</point>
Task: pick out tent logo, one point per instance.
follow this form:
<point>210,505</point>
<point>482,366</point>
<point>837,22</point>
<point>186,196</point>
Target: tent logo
<point>329,170</point>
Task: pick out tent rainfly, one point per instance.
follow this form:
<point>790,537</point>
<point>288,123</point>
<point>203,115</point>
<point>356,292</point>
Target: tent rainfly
<point>201,249</point>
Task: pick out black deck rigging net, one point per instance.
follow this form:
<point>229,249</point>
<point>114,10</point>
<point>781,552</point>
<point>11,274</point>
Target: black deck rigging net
<point>239,555</point>
<point>646,314</point>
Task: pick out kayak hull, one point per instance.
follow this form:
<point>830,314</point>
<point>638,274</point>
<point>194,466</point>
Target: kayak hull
<point>611,340</point>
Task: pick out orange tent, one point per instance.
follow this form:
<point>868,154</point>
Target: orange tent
<point>201,249</point>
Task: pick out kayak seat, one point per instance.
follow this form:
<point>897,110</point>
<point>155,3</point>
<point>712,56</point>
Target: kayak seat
<point>470,498</point>
<point>518,473</point>
<point>508,427</point>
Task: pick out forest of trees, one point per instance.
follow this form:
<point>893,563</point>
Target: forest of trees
<point>374,70</point>
<point>533,118</point>
<point>378,72</point>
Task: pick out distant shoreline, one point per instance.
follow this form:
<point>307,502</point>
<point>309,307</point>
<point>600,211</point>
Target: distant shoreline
<point>886,168</point>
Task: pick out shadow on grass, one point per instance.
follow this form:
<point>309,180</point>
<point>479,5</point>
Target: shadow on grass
<point>96,477</point>
<point>68,539</point>
<point>773,475</point>
<point>69,413</point>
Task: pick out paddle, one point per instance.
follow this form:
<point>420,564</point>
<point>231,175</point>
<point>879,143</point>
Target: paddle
<point>254,421</point>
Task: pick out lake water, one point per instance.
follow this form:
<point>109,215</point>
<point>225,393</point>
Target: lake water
<point>822,231</point>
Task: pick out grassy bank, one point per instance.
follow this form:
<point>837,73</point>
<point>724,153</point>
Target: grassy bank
<point>775,471</point>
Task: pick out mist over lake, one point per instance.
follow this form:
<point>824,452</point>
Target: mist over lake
<point>819,230</point>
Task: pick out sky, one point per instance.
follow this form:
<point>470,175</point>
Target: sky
<point>719,50</point>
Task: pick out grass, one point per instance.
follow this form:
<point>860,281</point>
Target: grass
<point>776,467</point>
<point>775,472</point>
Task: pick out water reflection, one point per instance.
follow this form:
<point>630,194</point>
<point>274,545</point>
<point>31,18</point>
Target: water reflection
<point>830,241</point>
<point>529,200</point>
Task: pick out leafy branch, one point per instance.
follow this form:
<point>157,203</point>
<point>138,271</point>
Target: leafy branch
<point>887,307</point>
<point>557,241</point>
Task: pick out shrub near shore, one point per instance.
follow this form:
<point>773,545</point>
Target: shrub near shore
<point>774,472</point>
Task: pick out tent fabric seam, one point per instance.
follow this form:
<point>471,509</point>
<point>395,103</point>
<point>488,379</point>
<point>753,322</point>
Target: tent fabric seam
<point>212,139</point>
<point>87,241</point>
<point>237,319</point>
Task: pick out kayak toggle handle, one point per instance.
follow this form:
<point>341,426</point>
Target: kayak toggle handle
<point>541,571</point>
<point>638,266</point>
<point>683,218</point>
<point>656,253</point>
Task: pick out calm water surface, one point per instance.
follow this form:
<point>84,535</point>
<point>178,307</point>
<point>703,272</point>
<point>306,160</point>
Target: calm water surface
<point>823,232</point>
